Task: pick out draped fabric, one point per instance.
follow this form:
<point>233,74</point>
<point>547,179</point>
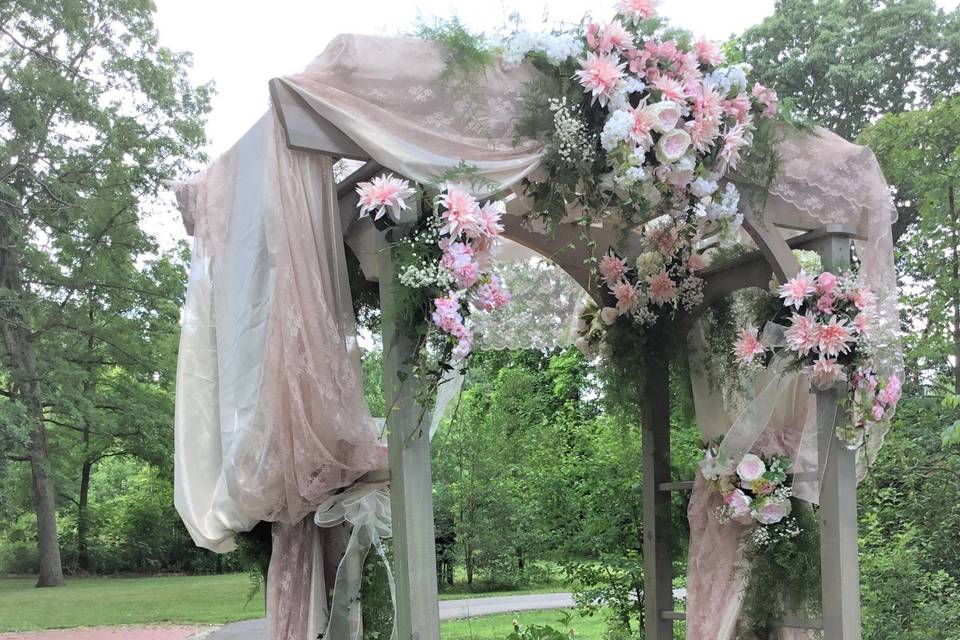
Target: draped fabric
<point>270,418</point>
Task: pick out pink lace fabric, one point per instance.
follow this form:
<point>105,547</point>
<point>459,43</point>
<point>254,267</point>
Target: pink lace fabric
<point>270,417</point>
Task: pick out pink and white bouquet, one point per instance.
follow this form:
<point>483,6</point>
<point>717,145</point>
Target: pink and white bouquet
<point>754,487</point>
<point>823,328</point>
<point>448,256</point>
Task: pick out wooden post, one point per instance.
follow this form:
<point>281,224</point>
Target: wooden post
<point>411,489</point>
<point>839,561</point>
<point>657,565</point>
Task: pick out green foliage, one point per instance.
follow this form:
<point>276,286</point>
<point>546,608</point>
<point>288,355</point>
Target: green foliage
<point>542,631</point>
<point>467,53</point>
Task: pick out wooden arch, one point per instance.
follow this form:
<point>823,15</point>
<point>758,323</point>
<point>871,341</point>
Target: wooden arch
<point>776,233</point>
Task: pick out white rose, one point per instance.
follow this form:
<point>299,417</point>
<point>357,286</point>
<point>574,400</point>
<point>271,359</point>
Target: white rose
<point>609,314</point>
<point>583,345</point>
<point>738,501</point>
<point>663,115</point>
<point>751,467</point>
<point>672,146</point>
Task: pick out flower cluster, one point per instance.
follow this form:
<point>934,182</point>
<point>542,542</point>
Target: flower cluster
<point>448,256</point>
<point>754,487</point>
<point>825,330</point>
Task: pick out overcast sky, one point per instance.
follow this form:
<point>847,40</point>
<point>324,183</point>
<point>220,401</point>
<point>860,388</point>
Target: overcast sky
<point>241,44</point>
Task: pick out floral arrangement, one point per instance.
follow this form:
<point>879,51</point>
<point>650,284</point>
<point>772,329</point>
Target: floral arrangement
<point>823,328</point>
<point>754,487</point>
<point>447,258</point>
<point>642,126</point>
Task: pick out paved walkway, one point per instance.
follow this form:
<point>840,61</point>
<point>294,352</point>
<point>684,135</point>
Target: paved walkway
<point>449,609</point>
<point>137,632</point>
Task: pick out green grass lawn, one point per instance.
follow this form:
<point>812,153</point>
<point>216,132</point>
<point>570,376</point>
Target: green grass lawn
<point>89,602</point>
<point>496,627</point>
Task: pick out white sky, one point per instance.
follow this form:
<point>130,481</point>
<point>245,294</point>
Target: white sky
<point>241,44</point>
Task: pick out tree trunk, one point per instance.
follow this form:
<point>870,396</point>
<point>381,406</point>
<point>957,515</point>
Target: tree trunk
<point>83,515</point>
<point>955,293</point>
<point>468,561</point>
<point>26,389</point>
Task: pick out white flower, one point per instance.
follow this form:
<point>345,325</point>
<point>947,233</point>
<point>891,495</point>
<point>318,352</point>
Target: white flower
<point>751,467</point>
<point>729,79</point>
<point>609,315</point>
<point>648,263</point>
<point>664,115</point>
<point>672,146</point>
<point>703,187</point>
<point>560,48</point>
<point>616,129</point>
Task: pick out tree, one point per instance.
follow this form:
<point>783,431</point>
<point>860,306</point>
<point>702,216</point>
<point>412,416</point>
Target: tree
<point>920,153</point>
<point>846,63</point>
<point>93,115</point>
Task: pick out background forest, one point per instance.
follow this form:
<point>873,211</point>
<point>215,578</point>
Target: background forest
<point>537,480</point>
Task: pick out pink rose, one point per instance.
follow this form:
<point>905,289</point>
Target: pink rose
<point>751,467</point>
<point>738,501</point>
<point>772,510</point>
<point>826,283</point>
<point>609,315</point>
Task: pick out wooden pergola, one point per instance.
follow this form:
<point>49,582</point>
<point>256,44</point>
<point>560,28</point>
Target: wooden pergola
<point>781,229</point>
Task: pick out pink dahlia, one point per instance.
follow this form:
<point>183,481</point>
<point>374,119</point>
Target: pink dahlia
<point>768,98</point>
<point>733,141</point>
<point>797,289</point>
<point>738,107</point>
<point>670,89</point>
<point>626,295</point>
<point>825,371</point>
<point>748,346</point>
<point>703,133</point>
<point>696,262</point>
<point>834,337</point>
<point>708,52</point>
<point>599,75</point>
<point>642,130</point>
<point>861,298</point>
<point>662,288</point>
<point>891,392</point>
<point>382,193</point>
<point>488,219</point>
<point>461,212</point>
<point>801,336</point>
<point>615,36</point>
<point>612,268</point>
<point>637,9</point>
<point>862,323</point>
<point>446,315</point>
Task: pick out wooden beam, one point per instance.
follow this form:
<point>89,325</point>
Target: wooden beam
<point>839,562</point>
<point>673,615</point>
<point>685,485</point>
<point>411,490</point>
<point>657,529</point>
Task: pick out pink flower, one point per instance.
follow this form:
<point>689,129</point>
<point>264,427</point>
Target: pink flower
<point>772,510</point>
<point>703,133</point>
<point>491,295</point>
<point>461,212</point>
<point>733,141</point>
<point>802,334</point>
<point>664,238</point>
<point>615,36</point>
<point>824,371</point>
<point>458,260</point>
<point>861,298</point>
<point>463,348</point>
<point>739,502</point>
<point>826,283</point>
<point>891,392</point>
<point>751,467</point>
<point>862,323</point>
<point>738,107</point>
<point>612,268</point>
<point>834,337</point>
<point>748,346</point>
<point>877,411</point>
<point>670,89</point>
<point>825,304</point>
<point>626,295</point>
<point>488,219</point>
<point>446,315</point>
<point>796,290</point>
<point>642,129</point>
<point>768,98</point>
<point>695,262</point>
<point>599,75</point>
<point>662,288</point>
<point>708,52</point>
<point>637,9</point>
<point>381,193</point>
